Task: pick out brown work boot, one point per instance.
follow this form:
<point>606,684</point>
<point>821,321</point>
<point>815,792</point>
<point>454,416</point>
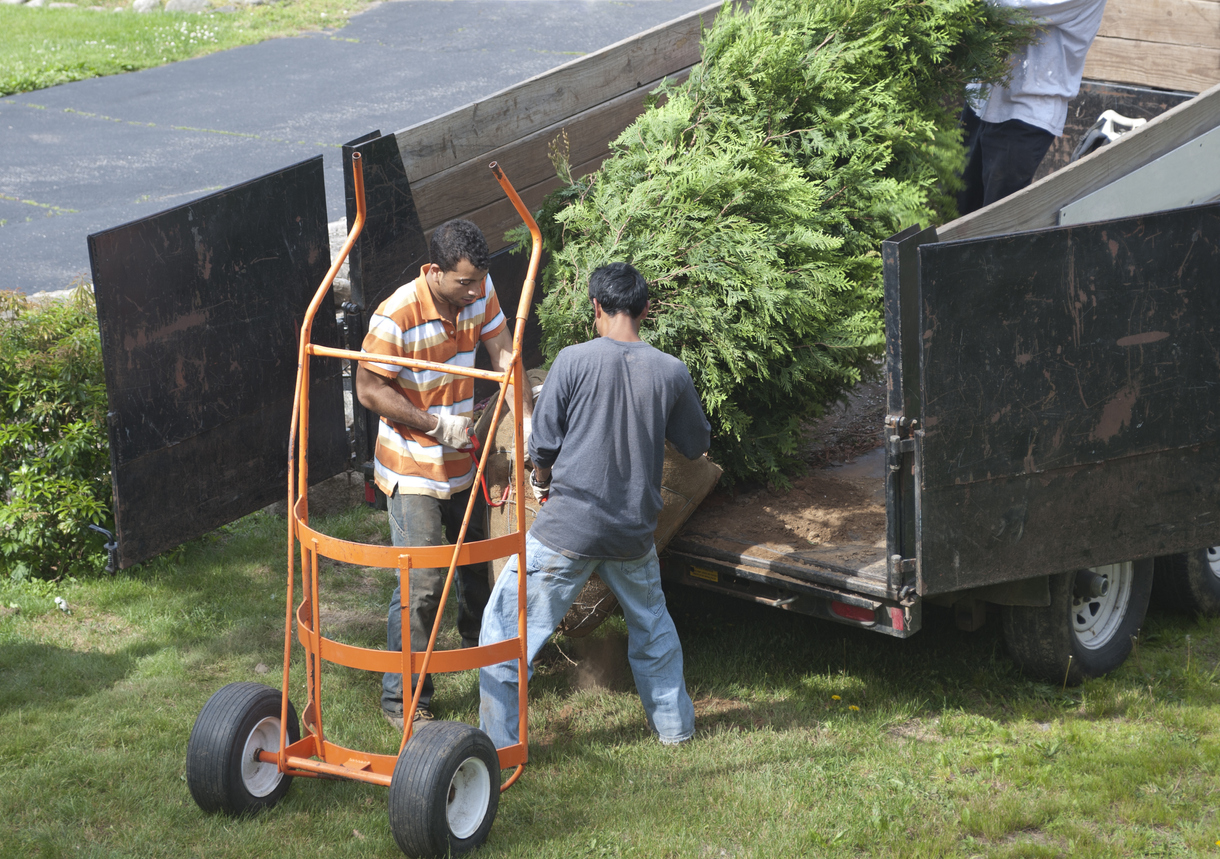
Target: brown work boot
<point>423,714</point>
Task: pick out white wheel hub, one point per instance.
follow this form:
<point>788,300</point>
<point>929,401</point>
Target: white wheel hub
<point>469,796</point>
<point>261,778</point>
<point>1213,560</point>
<point>1096,619</point>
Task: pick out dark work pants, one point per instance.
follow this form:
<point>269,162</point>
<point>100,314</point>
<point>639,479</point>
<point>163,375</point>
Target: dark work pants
<point>1001,158</point>
<point>421,520</point>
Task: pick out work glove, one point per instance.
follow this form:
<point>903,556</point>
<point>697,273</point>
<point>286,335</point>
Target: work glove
<point>452,431</point>
<point>541,490</point>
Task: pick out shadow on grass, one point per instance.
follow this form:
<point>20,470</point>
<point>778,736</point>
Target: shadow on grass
<point>37,675</point>
<point>751,667</point>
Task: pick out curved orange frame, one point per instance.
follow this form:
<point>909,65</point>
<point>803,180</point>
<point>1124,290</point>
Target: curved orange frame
<point>313,755</point>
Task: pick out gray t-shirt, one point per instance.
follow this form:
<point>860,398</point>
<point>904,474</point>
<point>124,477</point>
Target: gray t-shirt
<point>601,422</point>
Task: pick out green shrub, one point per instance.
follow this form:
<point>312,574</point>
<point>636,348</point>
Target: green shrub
<point>754,197</point>
<point>54,456</point>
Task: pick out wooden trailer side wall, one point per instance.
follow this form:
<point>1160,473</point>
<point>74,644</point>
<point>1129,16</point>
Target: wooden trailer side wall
<point>1165,44</point>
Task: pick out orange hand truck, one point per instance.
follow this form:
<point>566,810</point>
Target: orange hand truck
<point>246,745</point>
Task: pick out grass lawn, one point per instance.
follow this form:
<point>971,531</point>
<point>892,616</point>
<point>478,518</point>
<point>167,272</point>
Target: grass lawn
<point>813,739</point>
<point>43,47</point>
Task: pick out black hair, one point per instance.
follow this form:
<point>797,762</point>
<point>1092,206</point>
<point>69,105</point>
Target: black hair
<point>619,287</point>
<point>457,240</point>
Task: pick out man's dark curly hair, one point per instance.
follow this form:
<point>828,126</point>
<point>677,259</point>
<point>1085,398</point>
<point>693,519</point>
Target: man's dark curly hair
<point>457,240</point>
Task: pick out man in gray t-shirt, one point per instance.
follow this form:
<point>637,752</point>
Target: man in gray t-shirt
<point>598,446</point>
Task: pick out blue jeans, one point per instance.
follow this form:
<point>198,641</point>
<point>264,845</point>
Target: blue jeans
<point>553,581</point>
<point>421,520</point>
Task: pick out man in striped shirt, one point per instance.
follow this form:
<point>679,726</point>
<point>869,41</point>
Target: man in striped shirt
<point>421,462</point>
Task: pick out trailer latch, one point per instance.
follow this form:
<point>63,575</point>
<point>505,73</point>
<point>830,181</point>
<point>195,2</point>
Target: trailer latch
<point>895,446</point>
<point>901,564</point>
<point>902,445</point>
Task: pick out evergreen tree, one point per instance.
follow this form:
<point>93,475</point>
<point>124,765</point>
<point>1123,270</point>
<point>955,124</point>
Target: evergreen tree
<point>754,196</point>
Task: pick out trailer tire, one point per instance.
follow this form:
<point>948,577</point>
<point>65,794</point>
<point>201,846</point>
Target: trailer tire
<point>235,723</point>
<point>1189,582</point>
<point>1078,637</point>
<point>445,790</point>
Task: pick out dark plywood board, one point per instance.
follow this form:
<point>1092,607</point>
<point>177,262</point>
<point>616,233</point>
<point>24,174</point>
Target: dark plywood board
<point>391,246</point>
<point>387,254</point>
<point>200,309</point>
<point>900,266</point>
<point>1017,527</point>
<point>1061,359</point>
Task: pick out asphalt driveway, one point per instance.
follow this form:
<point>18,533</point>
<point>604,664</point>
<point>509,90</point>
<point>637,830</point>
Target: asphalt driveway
<point>86,156</point>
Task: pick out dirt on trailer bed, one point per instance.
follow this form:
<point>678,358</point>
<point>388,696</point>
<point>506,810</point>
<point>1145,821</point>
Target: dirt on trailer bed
<point>820,508</point>
<point>835,503</point>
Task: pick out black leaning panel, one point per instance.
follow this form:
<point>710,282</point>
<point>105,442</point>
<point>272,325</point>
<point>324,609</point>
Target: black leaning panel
<point>390,249</point>
<point>1017,527</point>
<point>1067,368</point>
<point>200,309</point>
<point>900,266</point>
<point>387,254</point>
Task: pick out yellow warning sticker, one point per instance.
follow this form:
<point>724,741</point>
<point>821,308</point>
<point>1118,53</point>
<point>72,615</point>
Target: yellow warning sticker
<point>706,575</point>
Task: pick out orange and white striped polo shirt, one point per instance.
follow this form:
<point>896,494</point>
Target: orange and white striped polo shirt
<point>408,325</point>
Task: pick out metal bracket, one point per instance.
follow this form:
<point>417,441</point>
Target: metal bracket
<point>898,440</point>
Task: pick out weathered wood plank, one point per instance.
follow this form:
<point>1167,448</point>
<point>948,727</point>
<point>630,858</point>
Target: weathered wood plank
<point>455,192</point>
<point>1038,205</point>
<point>510,114</point>
<point>1175,22</point>
<point>1156,64</point>
<point>497,217</point>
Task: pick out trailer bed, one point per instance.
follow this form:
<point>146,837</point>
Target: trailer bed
<point>818,548</point>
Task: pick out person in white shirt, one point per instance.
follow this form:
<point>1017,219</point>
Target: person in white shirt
<point>1008,129</point>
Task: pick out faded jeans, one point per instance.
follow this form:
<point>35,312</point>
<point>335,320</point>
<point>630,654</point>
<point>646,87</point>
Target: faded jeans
<point>553,582</point>
<point>421,520</point>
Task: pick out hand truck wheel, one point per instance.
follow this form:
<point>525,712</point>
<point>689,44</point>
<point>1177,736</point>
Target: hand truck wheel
<point>222,771</point>
<point>445,790</point>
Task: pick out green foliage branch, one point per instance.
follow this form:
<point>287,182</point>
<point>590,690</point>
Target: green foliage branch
<point>754,196</point>
<point>54,453</point>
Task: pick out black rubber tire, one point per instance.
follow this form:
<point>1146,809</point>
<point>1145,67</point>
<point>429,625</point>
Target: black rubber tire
<point>427,781</point>
<point>1189,582</point>
<point>234,717</point>
<point>1044,642</point>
